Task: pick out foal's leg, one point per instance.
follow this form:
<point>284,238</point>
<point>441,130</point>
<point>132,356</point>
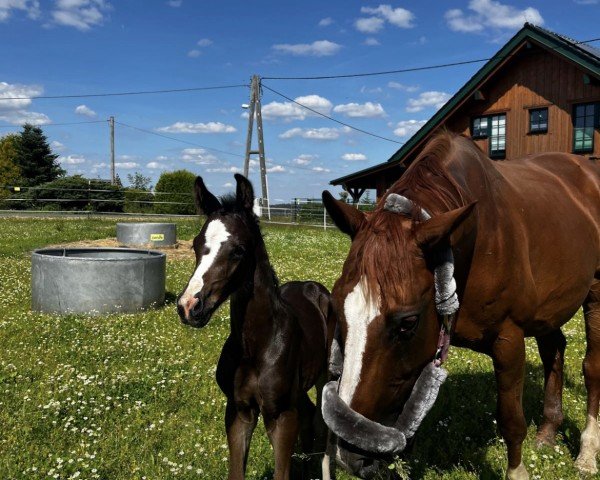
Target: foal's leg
<point>239,425</point>
<point>282,432</point>
<point>590,437</point>
<point>552,350</point>
<point>508,353</point>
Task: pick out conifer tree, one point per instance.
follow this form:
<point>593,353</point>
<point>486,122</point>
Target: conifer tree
<point>35,159</point>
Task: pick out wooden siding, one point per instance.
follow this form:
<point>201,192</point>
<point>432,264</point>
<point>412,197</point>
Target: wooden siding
<point>533,78</point>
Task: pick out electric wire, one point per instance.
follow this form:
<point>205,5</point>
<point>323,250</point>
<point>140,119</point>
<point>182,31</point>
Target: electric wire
<point>411,69</point>
<point>331,118</point>
<point>56,124</point>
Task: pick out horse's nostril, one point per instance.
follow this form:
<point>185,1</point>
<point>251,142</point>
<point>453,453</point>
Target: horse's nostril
<point>196,306</point>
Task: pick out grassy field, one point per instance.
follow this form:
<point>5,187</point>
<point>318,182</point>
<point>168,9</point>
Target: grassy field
<point>134,396</point>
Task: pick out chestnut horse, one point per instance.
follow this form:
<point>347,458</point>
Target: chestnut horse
<point>277,348</point>
<point>525,236</point>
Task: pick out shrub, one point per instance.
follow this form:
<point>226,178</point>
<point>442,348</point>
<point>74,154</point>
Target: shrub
<point>175,189</point>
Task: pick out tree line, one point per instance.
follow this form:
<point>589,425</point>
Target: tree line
<point>31,178</point>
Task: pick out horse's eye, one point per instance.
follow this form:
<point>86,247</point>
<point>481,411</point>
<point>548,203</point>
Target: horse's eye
<point>238,251</point>
<point>403,327</point>
<point>204,250</point>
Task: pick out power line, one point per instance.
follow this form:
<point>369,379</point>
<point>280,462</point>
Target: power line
<point>407,70</point>
<point>331,118</point>
<point>120,94</point>
<point>56,124</point>
<point>150,132</point>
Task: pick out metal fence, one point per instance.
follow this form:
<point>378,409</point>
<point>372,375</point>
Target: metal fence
<point>45,201</point>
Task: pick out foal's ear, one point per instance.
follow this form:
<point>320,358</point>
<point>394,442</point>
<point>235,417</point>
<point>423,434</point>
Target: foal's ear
<point>440,227</point>
<point>244,193</point>
<point>206,202</point>
<point>346,217</point>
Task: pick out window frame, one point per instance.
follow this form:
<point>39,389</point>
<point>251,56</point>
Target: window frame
<point>595,124</point>
<point>481,133</point>
<point>496,154</point>
<point>538,130</point>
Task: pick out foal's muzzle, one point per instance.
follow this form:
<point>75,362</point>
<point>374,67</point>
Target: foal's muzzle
<point>193,311</point>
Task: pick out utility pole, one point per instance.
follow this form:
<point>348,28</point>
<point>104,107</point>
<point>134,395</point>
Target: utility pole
<point>254,109</point>
<point>111,122</point>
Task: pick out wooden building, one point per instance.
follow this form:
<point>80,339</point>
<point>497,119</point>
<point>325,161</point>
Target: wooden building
<point>539,93</point>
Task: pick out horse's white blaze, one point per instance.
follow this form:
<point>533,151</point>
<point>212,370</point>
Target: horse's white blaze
<point>216,234</point>
<point>360,311</point>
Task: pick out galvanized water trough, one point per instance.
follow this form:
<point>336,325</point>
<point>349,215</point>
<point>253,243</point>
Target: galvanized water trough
<point>147,234</point>
<point>96,280</point>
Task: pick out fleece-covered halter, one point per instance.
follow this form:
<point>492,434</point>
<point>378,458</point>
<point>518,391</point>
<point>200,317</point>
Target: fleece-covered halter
<point>345,422</point>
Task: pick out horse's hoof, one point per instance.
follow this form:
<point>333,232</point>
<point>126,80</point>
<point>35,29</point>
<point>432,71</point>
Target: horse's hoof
<point>519,473</point>
<point>543,439</point>
<point>586,465</point>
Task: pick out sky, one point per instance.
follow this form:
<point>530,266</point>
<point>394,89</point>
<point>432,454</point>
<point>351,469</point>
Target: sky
<point>82,47</point>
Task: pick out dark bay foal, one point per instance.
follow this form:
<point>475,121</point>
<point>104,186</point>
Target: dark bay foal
<point>278,344</point>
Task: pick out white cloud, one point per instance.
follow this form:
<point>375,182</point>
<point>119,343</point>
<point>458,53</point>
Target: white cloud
<point>427,99</point>
<point>399,17</point>
<point>369,25</point>
<point>320,169</point>
<point>325,22</point>
<point>31,7</point>
<point>198,156</point>
<point>156,166</point>
<point>85,111</point>
<point>354,157</point>
<point>371,42</point>
<point>224,170</point>
<point>228,185</point>
<point>205,42</point>
<point>491,14</point>
<point>357,110</point>
<point>71,159</point>
<point>407,128</point>
<point>401,86</point>
<point>186,127</point>
<point>276,169</point>
<point>80,14</point>
<point>319,48</point>
<point>324,133</point>
<point>174,3</point>
<point>127,165</point>
<point>289,111</point>
<point>15,111</point>
<point>56,146</point>
<point>304,159</point>
<point>194,53</point>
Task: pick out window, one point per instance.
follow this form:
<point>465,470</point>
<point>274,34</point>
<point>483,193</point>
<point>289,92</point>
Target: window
<point>585,118</point>
<point>538,120</point>
<point>480,127</point>
<point>498,136</point>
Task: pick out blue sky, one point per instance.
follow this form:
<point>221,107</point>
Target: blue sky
<point>72,47</point>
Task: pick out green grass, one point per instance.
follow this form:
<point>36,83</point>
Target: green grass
<point>134,396</point>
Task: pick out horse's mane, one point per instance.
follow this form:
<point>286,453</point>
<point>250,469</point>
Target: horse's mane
<point>430,185</point>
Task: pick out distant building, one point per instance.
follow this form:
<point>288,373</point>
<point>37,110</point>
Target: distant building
<point>539,93</point>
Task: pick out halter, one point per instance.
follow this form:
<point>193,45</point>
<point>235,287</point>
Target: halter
<point>446,299</point>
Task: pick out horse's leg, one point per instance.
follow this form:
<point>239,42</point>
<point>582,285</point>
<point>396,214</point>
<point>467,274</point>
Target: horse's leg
<point>306,413</point>
<point>508,353</point>
<point>590,437</point>
<point>282,432</point>
<point>322,439</point>
<point>552,350</point>
<point>239,425</point>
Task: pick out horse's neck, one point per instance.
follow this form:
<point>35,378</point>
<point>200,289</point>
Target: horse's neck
<point>255,306</point>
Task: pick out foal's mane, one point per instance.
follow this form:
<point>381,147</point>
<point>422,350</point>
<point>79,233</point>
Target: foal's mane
<point>430,185</point>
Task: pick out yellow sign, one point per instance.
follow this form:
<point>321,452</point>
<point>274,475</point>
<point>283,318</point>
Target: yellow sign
<point>157,237</point>
<point>17,189</point>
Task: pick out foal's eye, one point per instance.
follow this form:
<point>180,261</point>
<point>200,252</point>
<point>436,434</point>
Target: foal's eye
<point>404,328</point>
<point>238,251</point>
<point>204,250</point>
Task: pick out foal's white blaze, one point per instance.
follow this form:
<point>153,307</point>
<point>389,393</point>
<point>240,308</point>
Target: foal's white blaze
<point>360,311</point>
<point>216,234</point>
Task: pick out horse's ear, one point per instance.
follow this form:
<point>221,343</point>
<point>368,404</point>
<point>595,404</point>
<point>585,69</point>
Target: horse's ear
<point>244,193</point>
<point>440,227</point>
<point>206,202</point>
<point>346,217</point>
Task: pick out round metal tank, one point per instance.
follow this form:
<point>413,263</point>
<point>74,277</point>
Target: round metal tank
<point>148,234</point>
<point>96,280</point>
